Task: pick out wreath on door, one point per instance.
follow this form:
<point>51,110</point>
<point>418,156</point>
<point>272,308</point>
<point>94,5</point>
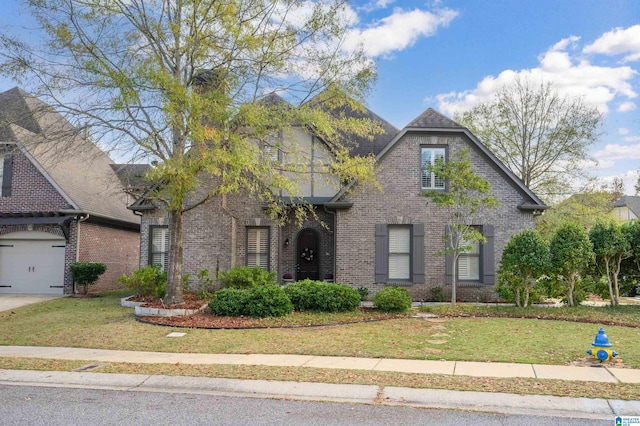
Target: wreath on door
<point>307,254</point>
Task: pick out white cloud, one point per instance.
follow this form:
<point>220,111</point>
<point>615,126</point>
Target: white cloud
<point>623,131</point>
<point>399,30</point>
<point>615,152</point>
<point>632,139</point>
<point>627,106</point>
<point>376,5</point>
<point>598,85</point>
<point>618,41</point>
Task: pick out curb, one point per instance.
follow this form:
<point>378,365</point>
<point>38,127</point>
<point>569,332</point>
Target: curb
<point>585,408</point>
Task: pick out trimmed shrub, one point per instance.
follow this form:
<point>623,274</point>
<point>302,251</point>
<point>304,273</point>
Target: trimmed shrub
<point>246,277</point>
<point>229,302</point>
<point>308,295</point>
<point>267,301</point>
<point>85,274</point>
<point>392,299</point>
<point>257,302</point>
<point>146,282</point>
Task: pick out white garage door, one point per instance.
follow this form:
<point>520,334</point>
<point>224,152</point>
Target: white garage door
<point>31,263</point>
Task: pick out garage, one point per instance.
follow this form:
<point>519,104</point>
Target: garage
<point>31,263</point>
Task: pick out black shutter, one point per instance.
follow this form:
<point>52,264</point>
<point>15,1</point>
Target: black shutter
<point>488,257</point>
<point>7,176</point>
<point>382,253</point>
<point>418,253</point>
<point>448,257</point>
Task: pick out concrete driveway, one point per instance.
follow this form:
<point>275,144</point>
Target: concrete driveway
<point>12,301</point>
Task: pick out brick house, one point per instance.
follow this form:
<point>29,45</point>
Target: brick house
<point>62,201</point>
<point>363,237</point>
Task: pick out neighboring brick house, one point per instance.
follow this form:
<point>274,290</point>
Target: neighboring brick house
<point>363,237</point>
<point>61,202</point>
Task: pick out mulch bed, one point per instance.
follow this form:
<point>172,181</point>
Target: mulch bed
<point>204,319</point>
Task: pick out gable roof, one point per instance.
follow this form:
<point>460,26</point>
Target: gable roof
<point>632,202</point>
<point>76,167</point>
<point>431,121</point>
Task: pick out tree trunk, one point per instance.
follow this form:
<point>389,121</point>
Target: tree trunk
<point>453,279</point>
<point>571,282</point>
<point>526,298</point>
<point>173,295</point>
<point>616,284</point>
<point>612,297</point>
<point>518,304</point>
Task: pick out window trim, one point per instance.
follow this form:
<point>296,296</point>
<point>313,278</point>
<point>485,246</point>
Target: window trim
<point>152,229</point>
<point>381,257</point>
<point>421,166</point>
<point>487,265</point>
<point>246,245</point>
<point>6,176</point>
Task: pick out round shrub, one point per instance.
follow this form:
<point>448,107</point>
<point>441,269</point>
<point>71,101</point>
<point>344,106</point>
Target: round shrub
<point>148,281</point>
<point>392,299</point>
<point>246,277</point>
<point>308,295</point>
<point>229,302</point>
<point>267,301</point>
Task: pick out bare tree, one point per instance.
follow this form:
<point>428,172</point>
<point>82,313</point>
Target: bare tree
<point>541,136</point>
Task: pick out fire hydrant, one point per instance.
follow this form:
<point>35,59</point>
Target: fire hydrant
<point>602,348</point>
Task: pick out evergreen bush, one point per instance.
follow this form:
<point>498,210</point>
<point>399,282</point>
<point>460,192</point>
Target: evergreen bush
<point>146,282</point>
<point>392,299</point>
<point>246,277</point>
<point>85,274</point>
<point>309,295</point>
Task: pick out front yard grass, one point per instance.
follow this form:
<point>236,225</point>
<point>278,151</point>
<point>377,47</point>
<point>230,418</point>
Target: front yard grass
<point>459,333</point>
<point>466,333</point>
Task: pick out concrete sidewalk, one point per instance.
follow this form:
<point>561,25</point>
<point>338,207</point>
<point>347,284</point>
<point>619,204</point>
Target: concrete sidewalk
<point>587,408</point>
<point>454,368</point>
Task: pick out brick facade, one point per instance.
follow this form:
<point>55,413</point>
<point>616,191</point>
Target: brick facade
<point>401,202</point>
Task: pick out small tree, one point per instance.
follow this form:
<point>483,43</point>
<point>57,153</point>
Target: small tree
<point>85,274</point>
<point>525,259</point>
<point>571,252</point>
<point>610,247</point>
<point>466,196</point>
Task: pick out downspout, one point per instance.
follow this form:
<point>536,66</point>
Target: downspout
<point>335,241</point>
<point>233,229</point>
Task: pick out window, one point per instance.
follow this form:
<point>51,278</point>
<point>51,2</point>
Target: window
<point>477,265</point>
<point>6,164</point>
<point>1,169</point>
<point>270,146</point>
<point>429,155</point>
<point>469,262</point>
<point>159,247</point>
<point>258,247</point>
<point>399,253</point>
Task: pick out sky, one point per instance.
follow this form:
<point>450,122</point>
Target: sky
<point>451,55</point>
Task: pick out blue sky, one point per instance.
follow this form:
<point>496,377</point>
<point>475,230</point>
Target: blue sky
<point>452,54</point>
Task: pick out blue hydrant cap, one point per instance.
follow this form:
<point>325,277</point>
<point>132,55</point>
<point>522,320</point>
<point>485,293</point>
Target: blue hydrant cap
<point>602,339</point>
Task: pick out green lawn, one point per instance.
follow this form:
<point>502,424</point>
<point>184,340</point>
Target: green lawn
<point>460,333</point>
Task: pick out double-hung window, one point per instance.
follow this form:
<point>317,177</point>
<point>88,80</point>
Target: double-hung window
<point>258,247</point>
<point>159,246</point>
<point>399,253</point>
<point>1,169</point>
<point>469,262</point>
<point>429,180</point>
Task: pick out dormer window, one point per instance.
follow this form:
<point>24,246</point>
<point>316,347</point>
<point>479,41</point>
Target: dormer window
<point>429,180</point>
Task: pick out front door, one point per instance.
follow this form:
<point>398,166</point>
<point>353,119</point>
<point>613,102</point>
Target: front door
<point>308,259</point>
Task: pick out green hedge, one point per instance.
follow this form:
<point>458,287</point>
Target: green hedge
<point>146,282</point>
<point>392,299</point>
<point>308,295</point>
<point>257,302</point>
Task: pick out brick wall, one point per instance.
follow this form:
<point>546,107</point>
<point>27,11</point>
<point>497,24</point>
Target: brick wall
<point>30,190</point>
<point>400,202</point>
<point>117,248</point>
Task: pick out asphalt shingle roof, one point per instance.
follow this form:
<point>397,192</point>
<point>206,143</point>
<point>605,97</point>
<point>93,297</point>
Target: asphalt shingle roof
<point>80,169</point>
<point>632,202</point>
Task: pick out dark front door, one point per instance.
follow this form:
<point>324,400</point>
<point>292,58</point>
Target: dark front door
<point>308,260</point>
